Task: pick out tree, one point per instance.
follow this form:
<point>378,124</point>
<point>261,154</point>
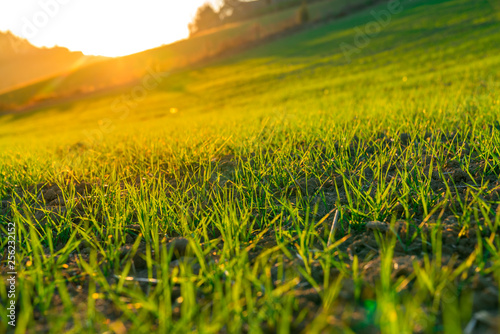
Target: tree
<point>228,8</point>
<point>206,18</point>
<point>235,10</point>
<point>303,13</point>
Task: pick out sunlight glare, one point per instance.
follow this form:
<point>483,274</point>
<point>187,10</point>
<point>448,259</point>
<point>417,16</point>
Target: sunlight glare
<point>108,28</point>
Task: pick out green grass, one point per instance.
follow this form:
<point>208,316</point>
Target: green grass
<point>262,147</point>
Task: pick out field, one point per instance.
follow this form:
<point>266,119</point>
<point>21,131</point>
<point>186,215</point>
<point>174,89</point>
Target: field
<point>131,69</point>
<point>203,200</point>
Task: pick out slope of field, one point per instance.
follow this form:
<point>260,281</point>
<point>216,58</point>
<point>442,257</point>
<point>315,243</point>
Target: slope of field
<point>22,63</point>
<point>205,199</point>
<point>123,70</point>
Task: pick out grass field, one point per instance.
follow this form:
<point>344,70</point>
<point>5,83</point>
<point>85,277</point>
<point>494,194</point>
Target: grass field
<point>203,200</point>
<point>172,57</point>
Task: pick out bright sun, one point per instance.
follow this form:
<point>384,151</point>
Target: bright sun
<point>95,27</point>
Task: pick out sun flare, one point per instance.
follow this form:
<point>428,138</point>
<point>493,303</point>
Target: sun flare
<point>108,28</point>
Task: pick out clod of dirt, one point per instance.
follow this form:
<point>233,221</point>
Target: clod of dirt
<point>179,247</point>
<point>50,195</point>
<point>83,189</point>
<point>486,299</point>
<point>86,250</point>
<point>4,207</point>
<point>459,176</point>
<point>452,164</point>
<point>138,258</point>
<point>405,138</point>
<point>308,186</point>
<point>133,228</point>
<point>363,246</point>
<point>403,266</point>
<point>140,261</point>
<point>131,232</point>
<point>466,246</point>
<point>79,206</point>
<point>57,202</point>
<point>51,213</point>
<point>398,209</point>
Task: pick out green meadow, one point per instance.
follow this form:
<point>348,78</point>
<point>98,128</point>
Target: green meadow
<point>311,184</point>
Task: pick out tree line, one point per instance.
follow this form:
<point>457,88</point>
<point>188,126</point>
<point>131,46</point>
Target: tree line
<point>208,17</point>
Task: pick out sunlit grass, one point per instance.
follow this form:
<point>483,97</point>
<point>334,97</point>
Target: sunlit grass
<point>263,146</point>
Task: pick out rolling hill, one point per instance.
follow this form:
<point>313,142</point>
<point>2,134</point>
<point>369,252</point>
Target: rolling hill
<point>187,53</point>
<point>21,63</point>
<point>343,179</point>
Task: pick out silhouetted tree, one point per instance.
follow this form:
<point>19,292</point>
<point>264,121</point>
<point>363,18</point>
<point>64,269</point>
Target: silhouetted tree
<point>206,18</point>
<point>234,10</point>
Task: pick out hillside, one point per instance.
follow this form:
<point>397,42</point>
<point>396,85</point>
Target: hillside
<point>22,63</point>
<point>343,179</point>
<point>187,53</point>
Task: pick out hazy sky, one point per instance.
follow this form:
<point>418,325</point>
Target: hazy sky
<point>99,27</point>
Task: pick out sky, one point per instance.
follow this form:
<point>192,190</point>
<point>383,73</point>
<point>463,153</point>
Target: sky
<point>99,27</point>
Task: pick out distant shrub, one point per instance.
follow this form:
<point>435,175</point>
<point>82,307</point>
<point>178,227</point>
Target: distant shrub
<point>303,13</point>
